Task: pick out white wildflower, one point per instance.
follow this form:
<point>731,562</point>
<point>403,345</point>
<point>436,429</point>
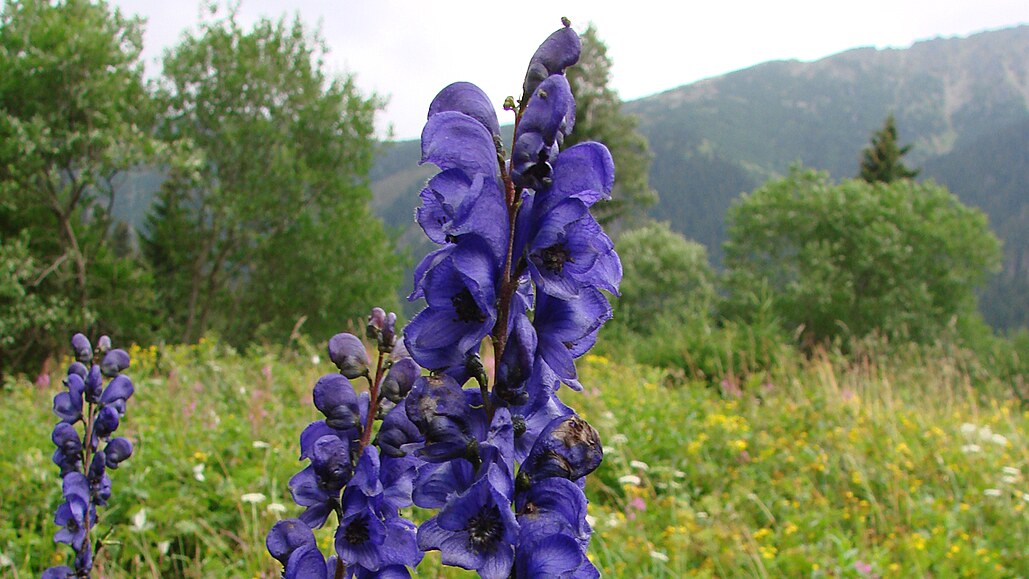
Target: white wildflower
<point>679,474</point>
<point>630,479</point>
<point>985,433</point>
<point>316,359</point>
<point>277,508</point>
<point>659,556</point>
<point>163,546</point>
<point>1025,497</point>
<point>968,428</point>
<point>1010,470</point>
<point>198,472</point>
<point>261,444</point>
<point>639,464</point>
<point>969,448</point>
<point>618,438</point>
<point>1008,479</point>
<point>992,492</point>
<point>999,440</point>
<point>139,520</point>
<point>701,515</point>
<point>5,561</point>
<point>253,498</point>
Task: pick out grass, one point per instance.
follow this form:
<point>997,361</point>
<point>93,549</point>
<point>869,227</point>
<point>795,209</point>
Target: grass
<point>894,467</point>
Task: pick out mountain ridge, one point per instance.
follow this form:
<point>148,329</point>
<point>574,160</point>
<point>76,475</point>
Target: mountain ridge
<point>953,100</point>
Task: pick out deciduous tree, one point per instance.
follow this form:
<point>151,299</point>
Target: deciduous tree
<point>847,259</point>
<point>264,217</point>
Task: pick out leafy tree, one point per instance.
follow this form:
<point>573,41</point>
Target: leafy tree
<point>599,117</point>
<point>880,161</point>
<point>847,259</point>
<point>264,219</point>
<point>73,116</point>
<point>665,277</point>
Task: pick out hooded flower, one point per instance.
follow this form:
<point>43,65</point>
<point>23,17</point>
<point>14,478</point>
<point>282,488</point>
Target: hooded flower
<point>458,286</point>
<point>467,196</point>
<point>371,534</point>
<point>475,531</point>
<point>567,329</point>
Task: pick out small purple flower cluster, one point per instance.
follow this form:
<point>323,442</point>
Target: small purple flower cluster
<point>84,460</point>
<point>522,262</point>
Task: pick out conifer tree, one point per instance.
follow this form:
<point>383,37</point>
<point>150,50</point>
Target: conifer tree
<point>881,160</point>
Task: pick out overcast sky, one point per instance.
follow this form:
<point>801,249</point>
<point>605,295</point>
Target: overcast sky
<point>409,50</point>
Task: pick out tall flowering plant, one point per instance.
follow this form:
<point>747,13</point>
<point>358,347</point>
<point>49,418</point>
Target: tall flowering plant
<point>85,458</point>
<point>500,459</point>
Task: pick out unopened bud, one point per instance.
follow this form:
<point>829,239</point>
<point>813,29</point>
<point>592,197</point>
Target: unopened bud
<point>348,354</point>
<point>82,348</point>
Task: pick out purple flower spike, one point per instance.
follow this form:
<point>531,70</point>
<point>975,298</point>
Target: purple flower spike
<point>559,51</point>
<point>114,362</point>
<point>82,348</point>
<point>465,97</point>
<point>334,396</point>
<point>348,354</point>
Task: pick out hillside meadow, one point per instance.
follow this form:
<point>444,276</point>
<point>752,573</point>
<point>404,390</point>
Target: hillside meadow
<point>912,465</point>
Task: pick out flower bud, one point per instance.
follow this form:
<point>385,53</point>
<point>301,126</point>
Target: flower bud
<point>104,344</point>
<point>401,377</point>
<point>82,348</point>
<point>114,361</point>
<point>348,354</point>
<point>117,451</point>
<point>335,398</point>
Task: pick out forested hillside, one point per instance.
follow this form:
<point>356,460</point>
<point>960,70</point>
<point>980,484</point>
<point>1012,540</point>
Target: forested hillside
<point>962,103</point>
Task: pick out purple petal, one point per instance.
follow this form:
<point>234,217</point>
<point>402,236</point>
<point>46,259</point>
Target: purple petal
<point>465,97</point>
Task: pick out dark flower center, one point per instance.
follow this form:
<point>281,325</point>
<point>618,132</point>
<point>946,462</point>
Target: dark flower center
<point>466,309</point>
<point>555,256</point>
<point>484,529</point>
<point>356,532</point>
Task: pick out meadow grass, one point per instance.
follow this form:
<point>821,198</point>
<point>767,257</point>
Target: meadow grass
<point>900,466</point>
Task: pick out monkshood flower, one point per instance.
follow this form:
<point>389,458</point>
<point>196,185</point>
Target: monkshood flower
<point>521,261</point>
<point>84,458</point>
<point>345,476</point>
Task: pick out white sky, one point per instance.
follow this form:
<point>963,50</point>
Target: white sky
<point>409,50</point>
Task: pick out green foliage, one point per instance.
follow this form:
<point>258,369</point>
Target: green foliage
<point>816,463</point>
<point>880,161</point>
<point>73,115</point>
<point>665,276</point>
<point>854,258</point>
<point>263,221</point>
<point>599,117</point>
<point>27,319</point>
